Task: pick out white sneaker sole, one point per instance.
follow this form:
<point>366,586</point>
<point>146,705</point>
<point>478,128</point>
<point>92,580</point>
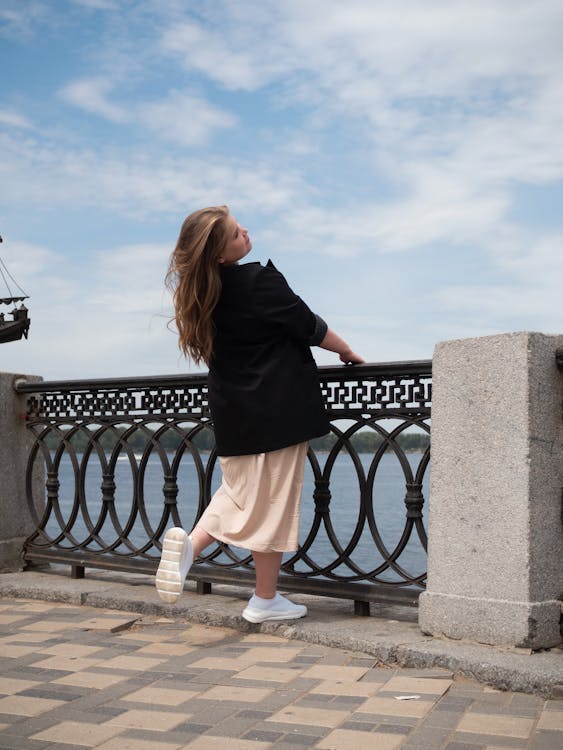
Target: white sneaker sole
<point>175,562</point>
<point>257,615</point>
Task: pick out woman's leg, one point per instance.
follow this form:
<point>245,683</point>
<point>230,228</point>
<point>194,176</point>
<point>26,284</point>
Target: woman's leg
<point>266,603</point>
<point>267,566</point>
<point>200,539</point>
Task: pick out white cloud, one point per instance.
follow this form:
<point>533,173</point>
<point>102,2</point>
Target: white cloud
<point>51,174</point>
<point>98,4</point>
<point>23,257</point>
<point>180,117</point>
<point>130,279</point>
<point>19,20</point>
<point>184,118</point>
<point>91,95</point>
<point>230,58</point>
<point>14,120</point>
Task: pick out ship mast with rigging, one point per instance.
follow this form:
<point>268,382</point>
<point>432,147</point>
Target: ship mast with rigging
<point>17,326</point>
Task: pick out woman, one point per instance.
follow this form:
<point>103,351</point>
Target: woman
<point>255,334</point>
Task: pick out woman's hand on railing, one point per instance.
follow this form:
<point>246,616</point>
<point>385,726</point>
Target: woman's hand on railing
<point>333,343</point>
<point>351,358</point>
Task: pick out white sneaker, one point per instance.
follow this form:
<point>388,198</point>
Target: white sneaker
<point>175,562</point>
<point>278,608</point>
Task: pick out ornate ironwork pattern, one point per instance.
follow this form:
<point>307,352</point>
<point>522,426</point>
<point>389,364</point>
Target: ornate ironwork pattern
<point>119,461</point>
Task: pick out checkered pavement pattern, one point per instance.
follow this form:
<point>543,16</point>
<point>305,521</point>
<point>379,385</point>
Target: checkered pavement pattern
<point>75,677</point>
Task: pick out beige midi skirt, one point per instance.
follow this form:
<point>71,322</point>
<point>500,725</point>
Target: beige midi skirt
<point>257,505</point>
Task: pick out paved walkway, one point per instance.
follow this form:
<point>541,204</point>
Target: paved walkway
<point>77,676</point>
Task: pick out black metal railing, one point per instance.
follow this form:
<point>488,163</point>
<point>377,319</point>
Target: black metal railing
<point>114,463</point>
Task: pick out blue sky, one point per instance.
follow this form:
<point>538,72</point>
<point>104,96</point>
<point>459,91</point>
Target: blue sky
<point>401,162</point>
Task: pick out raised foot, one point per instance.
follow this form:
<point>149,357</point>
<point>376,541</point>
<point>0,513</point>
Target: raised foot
<point>175,562</point>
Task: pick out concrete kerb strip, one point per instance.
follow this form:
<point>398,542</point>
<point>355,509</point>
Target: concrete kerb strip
<point>391,642</point>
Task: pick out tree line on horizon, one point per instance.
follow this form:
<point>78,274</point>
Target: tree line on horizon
<point>363,441</point>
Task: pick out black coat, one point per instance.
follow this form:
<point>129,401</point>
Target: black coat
<point>264,391</point>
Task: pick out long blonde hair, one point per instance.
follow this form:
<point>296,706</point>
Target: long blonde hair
<point>194,279</point>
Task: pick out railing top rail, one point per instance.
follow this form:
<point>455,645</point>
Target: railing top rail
<point>348,372</point>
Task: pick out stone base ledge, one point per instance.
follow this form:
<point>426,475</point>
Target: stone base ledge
<point>496,622</point>
<point>11,555</point>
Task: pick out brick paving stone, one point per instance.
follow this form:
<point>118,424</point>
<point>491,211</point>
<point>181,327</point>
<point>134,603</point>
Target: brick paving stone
<point>358,726</point>
<point>401,685</point>
<point>311,716</point>
<point>393,707</point>
<point>453,703</point>
<point>462,686</point>
<point>346,739</point>
<point>236,726</point>
<point>545,740</point>
<point>267,674</point>
<point>80,733</point>
<point>256,735</point>
<point>22,706</point>
<point>166,649</point>
<point>489,739</point>
<point>194,727</point>
<point>351,701</point>
<point>385,719</point>
<point>444,719</point>
<point>43,675</point>
<point>315,701</point>
<point>30,637</point>
<point>219,663</point>
<point>11,685</point>
<point>493,724</point>
<point>428,737</point>
<point>551,720</point>
<point>291,729</point>
<point>308,659</point>
<point>134,743</point>
<point>158,695</point>
<point>296,739</point>
<point>377,675</point>
<point>359,689</point>
<point>107,711</point>
<point>90,679</point>
<point>253,714</point>
<point>526,700</point>
<point>336,674</point>
<point>130,663</point>
<point>269,654</point>
<point>24,743</point>
<point>394,729</point>
<point>153,720</point>
<point>209,742</point>
<point>57,692</point>
<point>263,638</point>
<point>280,698</point>
<point>239,696</point>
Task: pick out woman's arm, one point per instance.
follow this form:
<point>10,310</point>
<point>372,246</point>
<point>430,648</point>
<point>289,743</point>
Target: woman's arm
<point>334,343</point>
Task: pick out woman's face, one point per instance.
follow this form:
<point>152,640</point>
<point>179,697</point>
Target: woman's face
<point>238,243</point>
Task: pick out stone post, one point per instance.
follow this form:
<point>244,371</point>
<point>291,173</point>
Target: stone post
<point>495,563</point>
<point>15,520</point>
